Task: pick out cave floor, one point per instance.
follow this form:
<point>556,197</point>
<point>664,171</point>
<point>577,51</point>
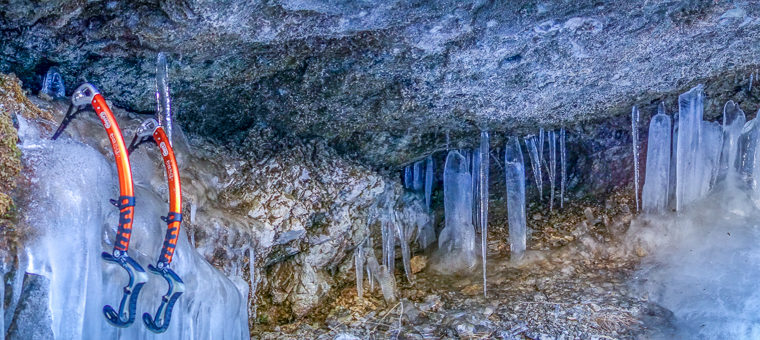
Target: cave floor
<point>573,283</point>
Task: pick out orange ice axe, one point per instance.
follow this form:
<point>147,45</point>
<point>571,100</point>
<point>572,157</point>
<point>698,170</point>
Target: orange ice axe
<point>88,94</point>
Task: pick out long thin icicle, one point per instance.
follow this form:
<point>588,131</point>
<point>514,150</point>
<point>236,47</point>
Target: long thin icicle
<point>475,171</point>
<point>417,182</point>
<point>428,180</point>
<point>163,102</point>
<point>563,167</point>
<point>635,143</point>
<point>514,168</point>
<point>359,263</point>
<point>408,179</point>
<point>535,163</point>
<point>552,167</point>
<point>483,191</point>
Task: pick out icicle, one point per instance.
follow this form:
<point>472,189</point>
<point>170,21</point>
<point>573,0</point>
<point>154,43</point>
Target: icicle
<point>563,167</point>
<point>255,279</point>
<point>163,102</point>
<point>733,122</point>
<point>52,85</point>
<point>673,163</point>
<point>535,163</point>
<point>690,106</point>
<point>483,191</point>
<point>428,180</point>
<point>751,78</point>
<point>417,182</point>
<point>456,243</point>
<point>384,278</point>
<point>193,210</point>
<point>403,237</point>
<point>389,243</point>
<point>408,177</point>
<point>370,278</point>
<point>552,167</point>
<point>635,145</point>
<point>541,141</point>
<point>475,170</point>
<point>359,263</point>
<point>710,144</point>
<point>514,168</point>
<point>654,195</point>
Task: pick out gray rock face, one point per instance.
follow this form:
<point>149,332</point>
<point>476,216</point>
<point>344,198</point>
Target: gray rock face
<point>384,81</point>
<point>31,319</point>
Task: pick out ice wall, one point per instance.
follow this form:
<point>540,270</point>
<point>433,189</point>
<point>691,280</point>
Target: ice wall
<point>74,222</point>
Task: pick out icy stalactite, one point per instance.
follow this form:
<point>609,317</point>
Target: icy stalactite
<point>733,122</point>
<point>359,269</point>
<point>428,180</point>
<point>389,243</point>
<point>403,233</point>
<point>370,250</point>
<point>541,142</point>
<point>384,278</point>
<point>530,145</point>
<point>690,108</point>
<point>52,85</point>
<point>552,140</point>
<point>408,177</point>
<point>163,102</point>
<point>417,176</point>
<point>475,171</point>
<point>563,167</point>
<point>73,224</point>
<point>673,162</point>
<point>654,195</point>
<point>635,147</point>
<point>514,167</point>
<point>456,242</point>
<point>711,143</point>
<point>483,172</point>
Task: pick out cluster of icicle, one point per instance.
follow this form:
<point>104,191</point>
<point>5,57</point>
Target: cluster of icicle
<point>399,224</point>
<point>685,159</point>
<point>538,160</point>
<point>465,186</point>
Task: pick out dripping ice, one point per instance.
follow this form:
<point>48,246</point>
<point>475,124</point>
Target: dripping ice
<point>483,170</point>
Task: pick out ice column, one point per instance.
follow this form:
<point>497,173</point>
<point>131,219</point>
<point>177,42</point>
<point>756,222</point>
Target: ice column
<point>428,180</point>
<point>52,85</point>
<point>483,191</point>
<point>359,263</point>
<point>514,167</point>
<point>417,181</point>
<point>456,243</point>
<point>635,144</point>
<point>654,196</point>
<point>733,122</point>
<point>710,146</point>
<point>690,106</point>
<point>563,167</point>
<point>552,166</point>
<point>535,163</point>
<point>408,179</point>
<point>163,102</point>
